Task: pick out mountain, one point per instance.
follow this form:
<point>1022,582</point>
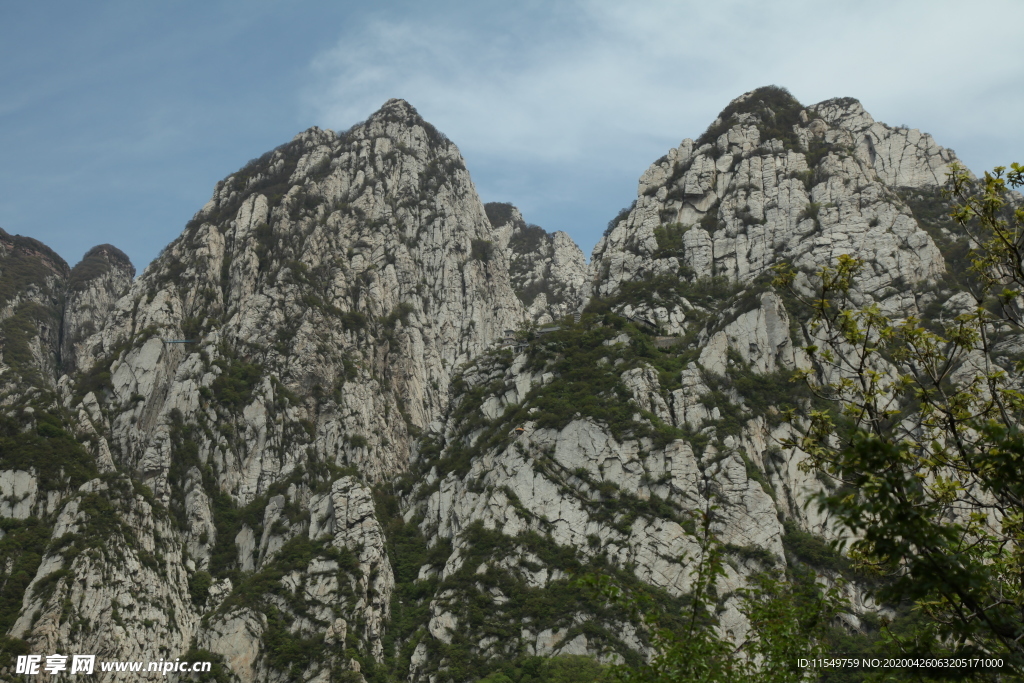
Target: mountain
<point>354,424</point>
<point>549,272</point>
<point>664,399</point>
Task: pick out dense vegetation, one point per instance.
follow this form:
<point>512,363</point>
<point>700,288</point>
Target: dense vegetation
<point>96,262</point>
<point>775,108</point>
<point>28,264</point>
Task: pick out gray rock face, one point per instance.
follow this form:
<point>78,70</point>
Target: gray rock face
<point>901,157</point>
<point>349,574</point>
<point>32,282</point>
<point>549,272</point>
<point>342,457</point>
<point>330,289</point>
<point>19,491</point>
<point>95,284</point>
<point>796,185</point>
<point>326,295</point>
<point>533,477</point>
<point>114,578</point>
<point>514,506</point>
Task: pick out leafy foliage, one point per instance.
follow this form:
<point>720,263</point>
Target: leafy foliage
<point>482,250</point>
<point>236,383</point>
<point>96,263</point>
<point>21,551</point>
<point>670,240</point>
<point>777,109</point>
<point>528,239</point>
<point>498,213</point>
<point>558,669</point>
<point>929,432</point>
<point>59,462</point>
<point>786,619</point>
<point>558,606</point>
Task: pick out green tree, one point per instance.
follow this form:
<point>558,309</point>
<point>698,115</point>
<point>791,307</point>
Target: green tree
<point>787,620</point>
<point>925,431</point>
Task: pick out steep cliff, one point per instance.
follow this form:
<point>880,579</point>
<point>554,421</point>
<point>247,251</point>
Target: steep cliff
<point>302,443</point>
<point>95,284</point>
<point>32,283</point>
<point>43,462</point>
<point>304,328</point>
<point>549,273</point>
<point>588,449</point>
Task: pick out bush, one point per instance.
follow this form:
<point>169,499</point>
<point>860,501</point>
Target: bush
<point>670,239</point>
<point>21,551</point>
<point>482,250</point>
<point>199,587</point>
<point>528,239</point>
<point>811,211</point>
<point>621,216</point>
<point>235,385</point>
<point>813,550</point>
<point>353,320</point>
<point>778,109</point>
<point>499,213</point>
<point>60,461</point>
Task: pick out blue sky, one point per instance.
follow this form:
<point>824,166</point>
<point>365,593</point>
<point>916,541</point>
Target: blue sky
<point>117,118</point>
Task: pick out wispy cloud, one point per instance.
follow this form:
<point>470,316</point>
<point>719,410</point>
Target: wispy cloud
<point>605,87</point>
<point>134,110</point>
<point>550,89</point>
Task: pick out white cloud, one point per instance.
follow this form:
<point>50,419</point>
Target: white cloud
<point>628,69</point>
<point>613,85</point>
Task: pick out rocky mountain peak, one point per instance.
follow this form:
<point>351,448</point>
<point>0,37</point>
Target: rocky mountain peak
<point>25,249</point>
<point>95,284</point>
<point>769,106</point>
<point>346,276</point>
<point>98,260</point>
<point>315,136</point>
<point>397,109</point>
<point>307,412</point>
<point>305,325</point>
<point>549,272</point>
<point>771,181</point>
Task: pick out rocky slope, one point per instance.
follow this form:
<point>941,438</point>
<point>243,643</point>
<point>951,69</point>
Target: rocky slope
<point>42,463</point>
<point>589,450</point>
<point>771,181</point>
<point>301,443</point>
<point>95,284</point>
<point>303,328</point>
<point>549,273</point>
<point>33,280</point>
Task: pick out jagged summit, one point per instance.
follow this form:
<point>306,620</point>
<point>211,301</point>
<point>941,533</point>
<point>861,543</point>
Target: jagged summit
<point>95,284</point>
<point>397,109</point>
<point>107,253</point>
<point>767,104</point>
<point>307,322</point>
<point>549,272</point>
<point>330,433</point>
<point>770,181</point>
<point>24,247</point>
<point>314,135</point>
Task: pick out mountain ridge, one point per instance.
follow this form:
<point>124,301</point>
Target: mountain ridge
<point>401,403</point>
